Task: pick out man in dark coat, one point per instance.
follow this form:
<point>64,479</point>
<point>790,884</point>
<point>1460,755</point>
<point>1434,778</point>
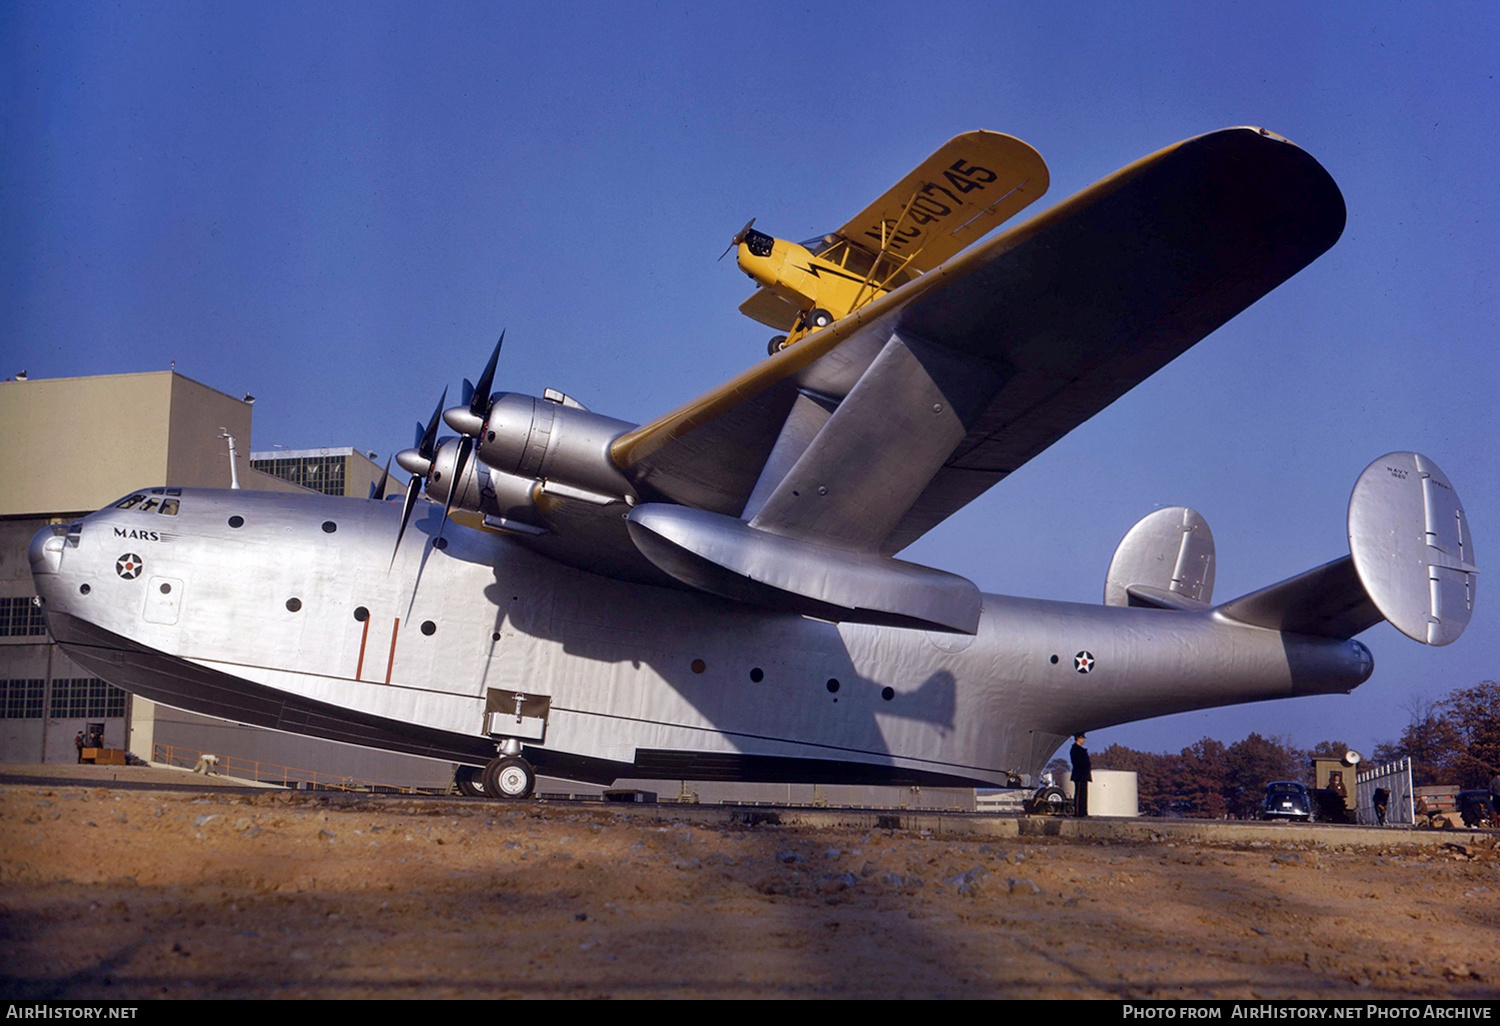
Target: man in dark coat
<point>1081,775</point>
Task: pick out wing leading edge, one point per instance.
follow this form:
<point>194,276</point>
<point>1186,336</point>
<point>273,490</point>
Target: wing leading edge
<point>1025,336</point>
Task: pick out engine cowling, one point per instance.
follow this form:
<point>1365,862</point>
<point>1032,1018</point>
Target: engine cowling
<point>536,440</point>
<point>508,500</point>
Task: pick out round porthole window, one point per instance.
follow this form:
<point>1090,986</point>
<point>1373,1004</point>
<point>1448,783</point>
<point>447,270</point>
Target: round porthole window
<point>361,614</point>
<point>236,521</point>
<point>293,604</point>
<point>757,674</point>
<point>329,527</point>
<point>429,628</point>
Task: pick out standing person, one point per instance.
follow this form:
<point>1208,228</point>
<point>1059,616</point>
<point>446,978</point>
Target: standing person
<point>1081,775</point>
<point>78,744</point>
<point>1382,799</point>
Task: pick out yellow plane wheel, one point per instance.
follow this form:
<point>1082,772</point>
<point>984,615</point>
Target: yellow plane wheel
<point>819,318</point>
<point>776,345</point>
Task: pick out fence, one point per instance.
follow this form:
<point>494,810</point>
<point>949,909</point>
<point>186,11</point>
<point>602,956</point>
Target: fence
<point>1395,777</point>
<point>270,773</point>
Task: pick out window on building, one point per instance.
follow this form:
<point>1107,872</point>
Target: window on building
<point>78,697</point>
<point>320,473</point>
<point>20,618</point>
<point>22,699</point>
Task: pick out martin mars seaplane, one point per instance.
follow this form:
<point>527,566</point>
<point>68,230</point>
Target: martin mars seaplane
<point>715,595</point>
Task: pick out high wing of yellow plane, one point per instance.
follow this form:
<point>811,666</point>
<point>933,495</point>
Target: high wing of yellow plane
<point>973,183</point>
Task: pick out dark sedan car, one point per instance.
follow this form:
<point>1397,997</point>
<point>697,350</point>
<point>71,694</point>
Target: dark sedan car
<point>1477,808</point>
<point>1287,799</point>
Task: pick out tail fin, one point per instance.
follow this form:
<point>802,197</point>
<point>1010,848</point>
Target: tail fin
<point>1166,560</point>
<point>1411,562</point>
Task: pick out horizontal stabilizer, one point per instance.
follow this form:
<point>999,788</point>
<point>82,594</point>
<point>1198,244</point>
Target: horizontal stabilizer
<point>1167,555</point>
<point>725,556</point>
<point>1327,601</point>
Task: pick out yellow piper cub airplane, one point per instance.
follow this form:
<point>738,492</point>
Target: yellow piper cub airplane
<point>973,183</point>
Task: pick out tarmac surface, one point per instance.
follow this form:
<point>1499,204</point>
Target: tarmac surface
<point>138,882</point>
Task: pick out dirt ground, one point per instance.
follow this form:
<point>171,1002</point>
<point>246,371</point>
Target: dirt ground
<point>125,894</point>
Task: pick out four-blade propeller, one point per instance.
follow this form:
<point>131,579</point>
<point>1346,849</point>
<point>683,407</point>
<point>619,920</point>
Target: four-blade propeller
<point>418,463</point>
<point>468,420</point>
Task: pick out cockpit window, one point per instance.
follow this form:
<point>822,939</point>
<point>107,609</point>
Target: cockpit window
<point>819,244</point>
<point>168,507</point>
<point>149,505</point>
<point>130,502</point>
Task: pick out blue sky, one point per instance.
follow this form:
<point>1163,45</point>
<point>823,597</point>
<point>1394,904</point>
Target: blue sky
<point>336,207</point>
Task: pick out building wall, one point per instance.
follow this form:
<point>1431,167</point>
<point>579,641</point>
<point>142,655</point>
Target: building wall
<point>74,444</point>
<point>197,455</point>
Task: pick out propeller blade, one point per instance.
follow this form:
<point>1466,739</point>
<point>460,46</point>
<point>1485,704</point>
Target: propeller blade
<point>412,488</point>
<point>479,402</point>
<point>377,489</point>
<point>425,444</point>
<point>468,392</point>
<point>464,443</point>
<point>739,237</point>
<point>465,446</point>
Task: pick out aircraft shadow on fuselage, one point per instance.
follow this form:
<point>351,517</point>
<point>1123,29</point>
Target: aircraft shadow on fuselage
<point>800,664</point>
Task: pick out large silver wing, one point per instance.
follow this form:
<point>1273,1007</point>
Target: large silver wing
<point>825,460</point>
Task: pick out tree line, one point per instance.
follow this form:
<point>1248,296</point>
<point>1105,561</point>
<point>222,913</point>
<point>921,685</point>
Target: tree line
<point>1455,740</point>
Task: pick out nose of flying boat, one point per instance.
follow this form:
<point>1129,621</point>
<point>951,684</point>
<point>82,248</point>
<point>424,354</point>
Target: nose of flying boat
<point>46,549</point>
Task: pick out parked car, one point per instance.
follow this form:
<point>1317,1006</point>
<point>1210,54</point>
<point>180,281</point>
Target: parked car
<point>1287,799</point>
<point>1477,808</point>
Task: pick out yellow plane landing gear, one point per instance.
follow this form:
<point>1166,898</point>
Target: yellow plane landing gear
<point>776,345</point>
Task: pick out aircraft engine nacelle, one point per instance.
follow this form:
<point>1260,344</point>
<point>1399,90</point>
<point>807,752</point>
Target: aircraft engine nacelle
<point>565,447</point>
<point>506,500</point>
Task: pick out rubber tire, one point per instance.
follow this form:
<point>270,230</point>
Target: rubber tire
<point>819,318</point>
<point>1050,801</point>
<point>776,345</point>
<point>510,777</point>
<point>470,781</point>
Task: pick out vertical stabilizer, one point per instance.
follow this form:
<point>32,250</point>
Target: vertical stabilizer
<point>1167,554</point>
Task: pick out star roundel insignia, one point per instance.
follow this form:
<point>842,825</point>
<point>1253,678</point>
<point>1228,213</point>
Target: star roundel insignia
<point>1083,662</point>
<point>129,566</point>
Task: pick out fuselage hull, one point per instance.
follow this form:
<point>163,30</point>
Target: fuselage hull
<point>298,619</point>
